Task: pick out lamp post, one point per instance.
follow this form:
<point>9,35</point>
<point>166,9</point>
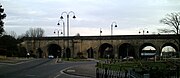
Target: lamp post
<point>63,35</point>
<point>113,24</point>
<point>63,26</point>
<point>143,31</point>
<point>58,31</point>
<point>100,31</point>
<point>68,14</point>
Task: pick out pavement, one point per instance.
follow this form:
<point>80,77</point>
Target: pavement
<point>85,70</point>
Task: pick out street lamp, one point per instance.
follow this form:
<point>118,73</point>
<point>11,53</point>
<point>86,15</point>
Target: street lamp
<point>58,31</point>
<point>63,26</point>
<point>100,31</point>
<point>143,31</point>
<point>67,13</point>
<point>113,24</point>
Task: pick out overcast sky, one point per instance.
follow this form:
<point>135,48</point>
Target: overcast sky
<point>130,15</point>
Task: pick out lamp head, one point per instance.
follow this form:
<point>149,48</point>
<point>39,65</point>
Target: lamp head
<point>58,23</point>
<point>147,31</point>
<point>74,16</point>
<point>61,17</point>
<point>115,25</point>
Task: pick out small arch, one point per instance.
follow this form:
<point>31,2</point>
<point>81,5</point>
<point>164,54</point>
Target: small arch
<point>126,50</point>
<point>68,53</point>
<point>54,49</point>
<point>40,52</point>
<point>90,52</point>
<point>106,51</point>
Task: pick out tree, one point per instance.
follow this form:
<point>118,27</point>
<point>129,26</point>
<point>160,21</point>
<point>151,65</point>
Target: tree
<point>2,16</point>
<point>34,32</point>
<point>9,43</point>
<point>172,20</point>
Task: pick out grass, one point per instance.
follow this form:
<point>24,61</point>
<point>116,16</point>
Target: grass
<point>12,60</point>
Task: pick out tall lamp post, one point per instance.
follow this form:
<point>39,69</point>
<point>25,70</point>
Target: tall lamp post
<point>68,14</point>
<point>63,23</point>
<point>113,24</point>
<point>63,26</point>
<point>58,31</point>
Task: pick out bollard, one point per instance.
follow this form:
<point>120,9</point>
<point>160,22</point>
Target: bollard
<point>106,73</point>
<point>97,72</point>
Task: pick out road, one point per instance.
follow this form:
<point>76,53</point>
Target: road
<point>38,68</point>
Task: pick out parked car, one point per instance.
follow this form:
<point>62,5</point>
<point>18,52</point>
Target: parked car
<point>128,58</point>
<point>50,56</point>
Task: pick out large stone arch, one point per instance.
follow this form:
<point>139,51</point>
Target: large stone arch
<point>169,44</point>
<point>106,51</point>
<point>145,45</point>
<point>54,49</point>
<point>125,50</point>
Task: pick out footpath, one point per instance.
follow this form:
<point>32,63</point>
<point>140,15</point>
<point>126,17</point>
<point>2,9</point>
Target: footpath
<point>86,70</point>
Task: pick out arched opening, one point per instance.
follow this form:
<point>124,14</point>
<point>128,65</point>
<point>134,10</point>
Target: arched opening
<point>68,53</point>
<point>147,50</point>
<point>39,50</point>
<point>90,53</point>
<point>106,51</point>
<point>126,50</point>
<point>169,50</point>
<point>55,50</point>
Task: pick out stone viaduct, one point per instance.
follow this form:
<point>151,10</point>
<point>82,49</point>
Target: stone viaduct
<point>118,46</point>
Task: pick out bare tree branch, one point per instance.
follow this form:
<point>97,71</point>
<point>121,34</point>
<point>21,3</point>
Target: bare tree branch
<point>34,32</point>
<point>173,20</point>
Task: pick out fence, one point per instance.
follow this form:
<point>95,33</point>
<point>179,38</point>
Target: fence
<point>105,73</point>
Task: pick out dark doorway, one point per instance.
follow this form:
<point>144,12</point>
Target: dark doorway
<point>55,50</point>
<point>106,51</point>
<point>126,50</point>
<point>68,53</point>
<point>90,53</point>
<point>40,52</point>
